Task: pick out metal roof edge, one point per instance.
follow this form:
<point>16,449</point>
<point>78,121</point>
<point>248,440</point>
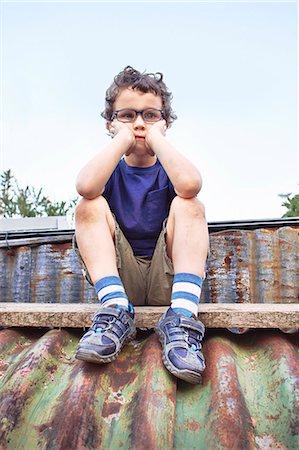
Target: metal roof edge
<point>65,235</point>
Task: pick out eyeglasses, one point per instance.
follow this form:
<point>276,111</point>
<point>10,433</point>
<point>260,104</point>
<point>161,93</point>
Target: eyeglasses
<point>130,115</point>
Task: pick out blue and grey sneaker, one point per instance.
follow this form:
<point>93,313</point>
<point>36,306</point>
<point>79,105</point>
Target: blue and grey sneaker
<point>181,338</point>
<point>112,328</point>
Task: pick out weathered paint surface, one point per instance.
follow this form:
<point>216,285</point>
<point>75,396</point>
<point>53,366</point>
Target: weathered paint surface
<point>256,266</point>
<point>249,397</point>
<point>260,266</point>
<point>45,273</point>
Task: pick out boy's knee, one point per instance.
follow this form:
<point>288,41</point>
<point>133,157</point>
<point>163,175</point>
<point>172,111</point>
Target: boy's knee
<point>90,209</point>
<point>192,206</point>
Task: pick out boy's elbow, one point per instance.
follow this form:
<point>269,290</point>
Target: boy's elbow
<point>190,188</point>
<point>81,188</point>
<point>87,191</point>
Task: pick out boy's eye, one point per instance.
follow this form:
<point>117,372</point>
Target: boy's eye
<point>152,115</point>
<point>149,114</point>
<point>126,114</point>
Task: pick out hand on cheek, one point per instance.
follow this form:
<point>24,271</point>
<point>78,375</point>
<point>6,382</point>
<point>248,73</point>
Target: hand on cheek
<point>158,128</point>
<point>119,128</point>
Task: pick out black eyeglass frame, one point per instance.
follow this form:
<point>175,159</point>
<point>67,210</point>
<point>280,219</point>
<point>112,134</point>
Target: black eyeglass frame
<point>138,111</point>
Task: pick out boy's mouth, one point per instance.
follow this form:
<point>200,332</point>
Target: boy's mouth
<point>139,137</point>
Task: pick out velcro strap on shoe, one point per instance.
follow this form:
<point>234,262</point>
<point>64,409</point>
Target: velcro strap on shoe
<point>108,312</point>
<point>192,324</point>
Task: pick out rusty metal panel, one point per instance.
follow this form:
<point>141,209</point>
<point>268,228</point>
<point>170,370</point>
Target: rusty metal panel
<point>249,398</point>
<point>254,266</point>
<point>48,400</point>
<point>45,273</point>
<point>260,266</point>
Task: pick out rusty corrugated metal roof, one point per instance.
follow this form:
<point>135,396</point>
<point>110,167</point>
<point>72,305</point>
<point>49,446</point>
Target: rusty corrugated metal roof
<point>49,400</point>
<point>249,398</point>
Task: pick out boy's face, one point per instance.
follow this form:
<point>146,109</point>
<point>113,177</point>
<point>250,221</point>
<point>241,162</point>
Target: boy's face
<point>136,100</point>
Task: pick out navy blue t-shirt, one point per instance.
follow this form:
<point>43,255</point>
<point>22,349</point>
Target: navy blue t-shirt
<point>140,199</point>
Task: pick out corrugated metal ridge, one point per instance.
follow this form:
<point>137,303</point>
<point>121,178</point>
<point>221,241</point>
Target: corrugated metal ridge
<point>253,224</point>
<point>48,400</point>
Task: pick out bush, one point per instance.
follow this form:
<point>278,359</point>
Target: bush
<point>26,202</point>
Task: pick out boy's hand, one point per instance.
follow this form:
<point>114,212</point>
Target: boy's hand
<point>158,128</point>
<point>120,129</point>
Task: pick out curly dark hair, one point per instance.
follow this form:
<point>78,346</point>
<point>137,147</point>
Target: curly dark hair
<point>143,82</point>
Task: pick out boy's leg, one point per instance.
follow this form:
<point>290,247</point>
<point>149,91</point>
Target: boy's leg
<point>95,231</point>
<point>187,236</point>
<point>113,324</point>
<point>179,330</point>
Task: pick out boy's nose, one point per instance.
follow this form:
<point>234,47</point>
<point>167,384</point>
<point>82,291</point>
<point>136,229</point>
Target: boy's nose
<point>139,122</point>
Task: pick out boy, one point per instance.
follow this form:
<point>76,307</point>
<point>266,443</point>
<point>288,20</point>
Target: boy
<point>140,229</point>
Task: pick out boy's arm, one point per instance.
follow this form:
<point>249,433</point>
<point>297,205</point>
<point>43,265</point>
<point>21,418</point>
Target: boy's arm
<point>93,177</point>
<point>184,176</point>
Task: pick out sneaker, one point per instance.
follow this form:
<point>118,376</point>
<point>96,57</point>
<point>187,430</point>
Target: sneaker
<point>112,328</point>
<point>181,338</point>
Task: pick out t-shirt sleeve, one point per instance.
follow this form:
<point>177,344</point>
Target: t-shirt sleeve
<point>108,188</point>
<point>107,191</point>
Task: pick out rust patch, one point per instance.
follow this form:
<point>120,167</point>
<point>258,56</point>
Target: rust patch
<point>67,273</point>
<point>110,409</point>
<point>227,262</point>
<point>12,404</point>
<point>122,370</point>
<point>121,379</point>
<point>76,411</point>
<point>230,429</point>
<point>8,337</point>
<point>149,402</point>
<point>62,247</point>
<point>281,348</point>
<point>193,425</point>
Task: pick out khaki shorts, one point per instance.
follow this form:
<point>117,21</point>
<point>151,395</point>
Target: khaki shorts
<point>147,280</point>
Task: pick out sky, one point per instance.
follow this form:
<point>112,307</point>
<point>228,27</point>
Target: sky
<point>232,68</point>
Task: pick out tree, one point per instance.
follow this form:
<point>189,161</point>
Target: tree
<point>292,204</point>
<point>26,202</point>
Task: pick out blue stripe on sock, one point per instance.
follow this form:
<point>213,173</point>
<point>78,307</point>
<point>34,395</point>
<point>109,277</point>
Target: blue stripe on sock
<point>116,284</point>
<point>107,281</point>
<point>184,296</point>
<point>188,278</point>
<point>111,295</point>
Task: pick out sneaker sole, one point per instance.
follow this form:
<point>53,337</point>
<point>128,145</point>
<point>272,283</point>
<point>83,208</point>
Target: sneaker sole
<point>190,377</point>
<point>89,355</point>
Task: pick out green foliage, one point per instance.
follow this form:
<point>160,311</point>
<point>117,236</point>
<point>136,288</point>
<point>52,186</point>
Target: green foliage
<point>26,202</point>
<point>292,204</point>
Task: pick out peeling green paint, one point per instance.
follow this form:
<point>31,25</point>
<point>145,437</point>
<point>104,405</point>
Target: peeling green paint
<point>248,398</point>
